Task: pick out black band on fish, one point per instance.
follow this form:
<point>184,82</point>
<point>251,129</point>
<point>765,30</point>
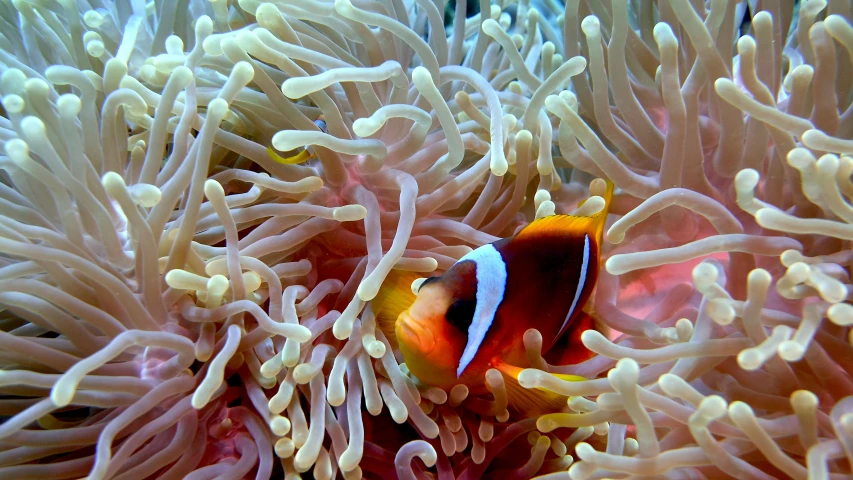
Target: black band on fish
<point>426,281</point>
<point>491,286</point>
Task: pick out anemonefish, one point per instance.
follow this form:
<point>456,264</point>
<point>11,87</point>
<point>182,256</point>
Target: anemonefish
<point>305,154</point>
<point>451,329</point>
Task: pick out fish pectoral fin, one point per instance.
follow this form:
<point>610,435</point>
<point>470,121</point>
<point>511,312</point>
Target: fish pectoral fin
<point>394,297</point>
<point>531,402</point>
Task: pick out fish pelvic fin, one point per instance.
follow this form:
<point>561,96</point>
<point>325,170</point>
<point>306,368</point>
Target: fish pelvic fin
<point>300,157</point>
<point>395,296</point>
<point>532,402</point>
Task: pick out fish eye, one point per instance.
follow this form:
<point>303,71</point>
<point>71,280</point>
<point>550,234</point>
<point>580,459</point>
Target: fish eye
<point>460,314</point>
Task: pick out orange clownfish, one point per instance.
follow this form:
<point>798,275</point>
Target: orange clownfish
<point>454,327</point>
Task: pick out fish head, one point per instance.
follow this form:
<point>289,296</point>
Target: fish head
<point>433,331</point>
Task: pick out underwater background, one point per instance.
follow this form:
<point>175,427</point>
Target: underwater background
<point>213,211</point>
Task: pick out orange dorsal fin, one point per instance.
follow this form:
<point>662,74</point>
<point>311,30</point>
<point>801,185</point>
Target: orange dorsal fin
<point>531,402</point>
<point>394,297</point>
<point>592,224</point>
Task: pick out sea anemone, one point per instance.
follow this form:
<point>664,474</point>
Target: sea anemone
<point>200,198</point>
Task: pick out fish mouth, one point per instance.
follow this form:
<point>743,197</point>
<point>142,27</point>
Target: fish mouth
<point>414,332</point>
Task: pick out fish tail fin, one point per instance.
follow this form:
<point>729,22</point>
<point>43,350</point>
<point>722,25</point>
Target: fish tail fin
<point>300,157</point>
<point>601,188</point>
<point>394,297</point>
<point>532,402</point>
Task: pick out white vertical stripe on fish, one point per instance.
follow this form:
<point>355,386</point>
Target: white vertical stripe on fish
<point>491,286</point>
<point>581,282</point>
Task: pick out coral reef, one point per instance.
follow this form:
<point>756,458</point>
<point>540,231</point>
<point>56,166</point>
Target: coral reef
<point>175,302</point>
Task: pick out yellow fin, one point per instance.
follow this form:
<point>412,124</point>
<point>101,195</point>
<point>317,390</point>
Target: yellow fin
<point>300,157</point>
<point>395,296</point>
<point>532,402</point>
<point>593,224</point>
